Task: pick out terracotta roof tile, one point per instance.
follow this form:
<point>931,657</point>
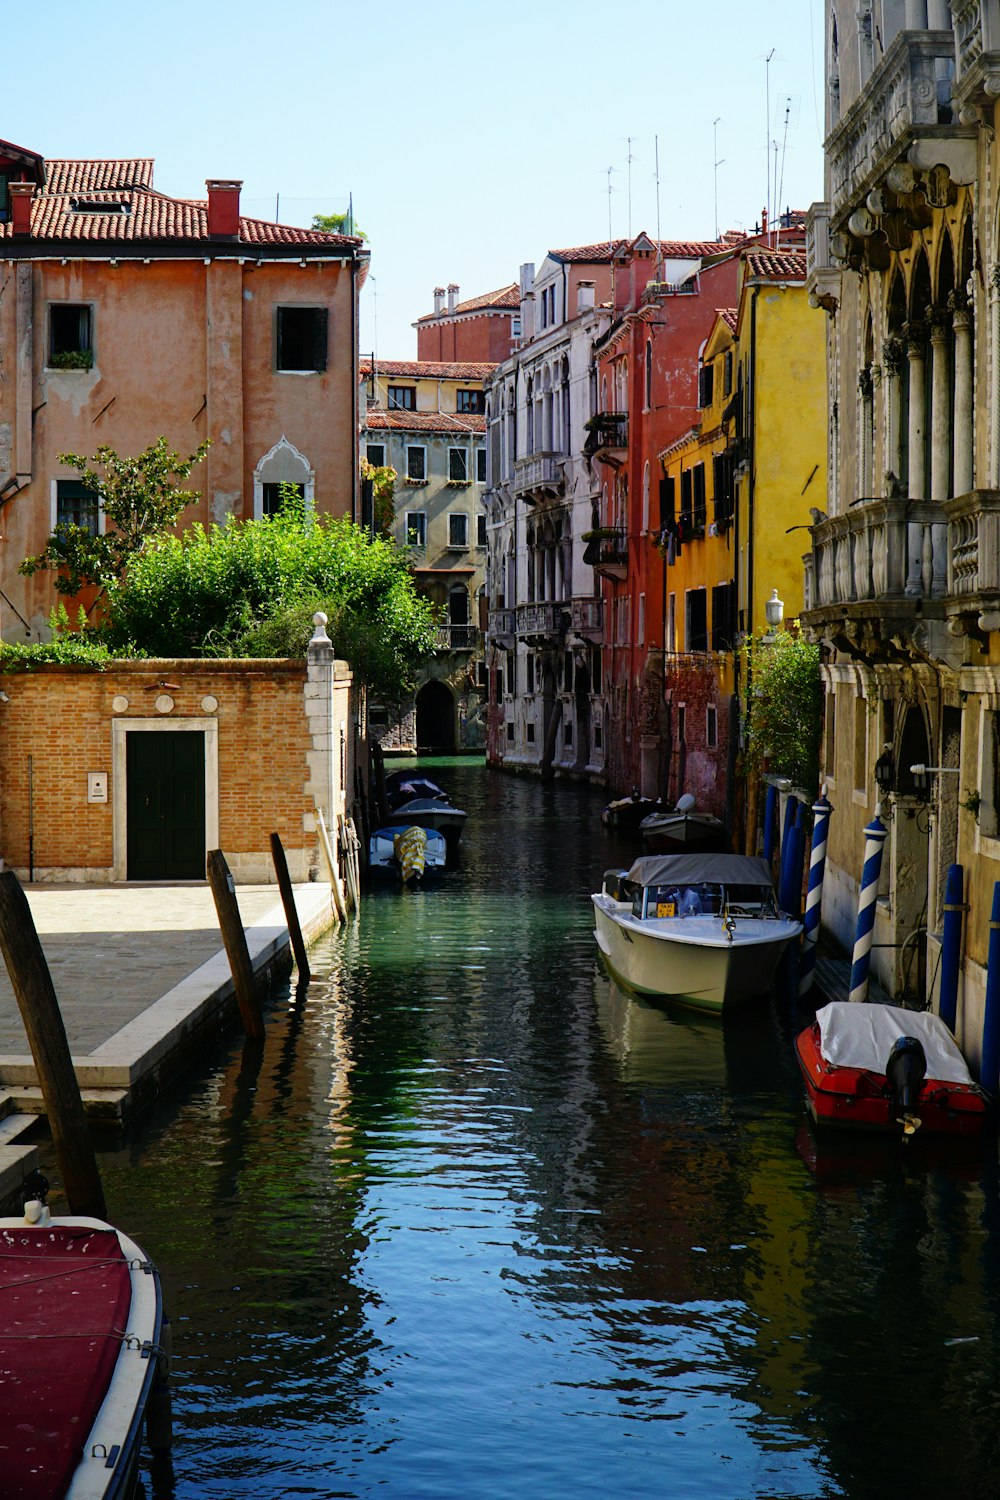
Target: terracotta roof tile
<point>506,297</point>
<point>422,421</point>
<point>669,249</point>
<point>94,202</point>
<point>429,369</point>
<point>729,317</point>
<point>775,265</point>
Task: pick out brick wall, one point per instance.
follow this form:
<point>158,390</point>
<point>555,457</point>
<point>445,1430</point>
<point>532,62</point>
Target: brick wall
<point>58,722</point>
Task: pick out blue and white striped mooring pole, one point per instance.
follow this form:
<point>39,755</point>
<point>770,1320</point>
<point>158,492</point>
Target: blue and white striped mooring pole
<point>817,868</point>
<point>951,946</point>
<point>875,836</point>
<point>770,815</point>
<point>989,1070</point>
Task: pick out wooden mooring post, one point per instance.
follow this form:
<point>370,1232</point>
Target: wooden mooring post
<point>291,911</point>
<point>43,1022</point>
<point>235,939</point>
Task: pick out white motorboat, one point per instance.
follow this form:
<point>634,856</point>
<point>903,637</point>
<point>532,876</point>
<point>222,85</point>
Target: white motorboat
<point>703,929</point>
<point>681,827</point>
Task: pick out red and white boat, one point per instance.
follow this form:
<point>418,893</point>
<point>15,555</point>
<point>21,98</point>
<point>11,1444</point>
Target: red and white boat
<point>880,1067</point>
<point>80,1355</point>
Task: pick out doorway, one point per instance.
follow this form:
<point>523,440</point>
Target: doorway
<point>435,718</point>
<point>165,805</point>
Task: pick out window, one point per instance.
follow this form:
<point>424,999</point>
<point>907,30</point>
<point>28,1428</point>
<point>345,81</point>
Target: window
<point>672,623</point>
<point>481,676</point>
<point>723,616</point>
<point>510,734</point>
<point>722,479</point>
<point>76,506</point>
<point>698,499</point>
<point>649,374</point>
<point>515,326</point>
<point>375,454</point>
<point>711,727</point>
<point>706,380</point>
<point>682,723</point>
<point>416,465</point>
<point>641,634</point>
<point>685,515</point>
<point>727,373</point>
<point>301,337</point>
<point>666,501</point>
<point>568,732</point>
<point>530,666</point>
<point>271,498</point>
<point>480,465</point>
<point>458,466</point>
<point>480,531</point>
<point>696,624</point>
<point>458,530</point>
<point>416,528</point>
<point>470,402</point>
<point>860,744</point>
<point>70,336</point>
<point>402,398</point>
<point>511,674</point>
<point>529,730</point>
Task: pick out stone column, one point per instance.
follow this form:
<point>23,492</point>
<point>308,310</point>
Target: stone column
<point>916,15</point>
<point>938,15</point>
<point>914,335</point>
<point>962,436</point>
<point>892,359</point>
<point>940,439</point>
<point>994,285</point>
<point>866,407</point>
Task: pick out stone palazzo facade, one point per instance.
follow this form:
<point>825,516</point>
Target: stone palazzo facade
<point>903,577</point>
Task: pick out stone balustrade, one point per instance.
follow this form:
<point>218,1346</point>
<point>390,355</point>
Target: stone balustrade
<point>539,473</point>
<point>879,549</point>
<point>974,555</point>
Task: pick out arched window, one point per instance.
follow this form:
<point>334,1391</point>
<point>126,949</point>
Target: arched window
<point>649,374</point>
<point>645,499</point>
<point>282,464</point>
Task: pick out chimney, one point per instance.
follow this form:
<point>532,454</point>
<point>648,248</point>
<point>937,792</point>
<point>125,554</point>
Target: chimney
<point>438,300</point>
<point>452,295</point>
<point>527,280</point>
<point>223,208</point>
<point>21,194</point>
<point>584,296</point>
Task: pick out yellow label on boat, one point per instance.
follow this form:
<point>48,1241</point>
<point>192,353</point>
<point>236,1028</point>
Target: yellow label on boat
<point>666,908</point>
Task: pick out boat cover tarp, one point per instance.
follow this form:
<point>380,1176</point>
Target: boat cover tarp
<point>700,869</point>
<point>65,1295</point>
<point>854,1035</point>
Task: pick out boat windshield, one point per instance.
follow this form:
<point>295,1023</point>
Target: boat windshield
<point>705,899</point>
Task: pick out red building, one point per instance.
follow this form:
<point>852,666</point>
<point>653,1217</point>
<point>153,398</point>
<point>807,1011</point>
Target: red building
<point>483,329</point>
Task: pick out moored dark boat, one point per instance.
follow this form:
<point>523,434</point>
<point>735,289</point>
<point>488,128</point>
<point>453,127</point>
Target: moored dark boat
<point>880,1067</point>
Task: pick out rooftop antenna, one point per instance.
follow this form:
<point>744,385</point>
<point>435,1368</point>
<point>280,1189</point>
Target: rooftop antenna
<point>659,241</point>
<point>767,133</point>
<point>629,140</point>
<point>611,243</point>
<point>719,161</point>
<point>350,212</point>
<point>781,179</point>
<point>277,208</point>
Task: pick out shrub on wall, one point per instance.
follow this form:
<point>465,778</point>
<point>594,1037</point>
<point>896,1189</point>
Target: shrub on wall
<point>784,716</point>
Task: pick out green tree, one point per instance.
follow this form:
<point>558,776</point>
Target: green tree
<point>250,588</point>
<point>784,716</point>
<point>338,224</point>
<point>140,499</point>
<point>383,478</point>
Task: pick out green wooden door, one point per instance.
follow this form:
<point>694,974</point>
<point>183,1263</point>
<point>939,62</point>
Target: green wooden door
<point>165,782</point>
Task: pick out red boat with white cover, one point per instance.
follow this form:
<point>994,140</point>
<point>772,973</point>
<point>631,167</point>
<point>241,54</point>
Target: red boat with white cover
<point>880,1067</point>
<point>80,1324</point>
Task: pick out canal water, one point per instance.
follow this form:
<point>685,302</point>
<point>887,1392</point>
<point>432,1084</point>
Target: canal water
<point>473,1224</point>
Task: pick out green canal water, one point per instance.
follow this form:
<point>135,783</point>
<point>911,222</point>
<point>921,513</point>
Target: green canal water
<point>475,1224</point>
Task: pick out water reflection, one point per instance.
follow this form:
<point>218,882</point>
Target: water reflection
<point>476,1223</point>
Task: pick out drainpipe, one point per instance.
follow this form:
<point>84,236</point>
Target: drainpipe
<point>751,453</point>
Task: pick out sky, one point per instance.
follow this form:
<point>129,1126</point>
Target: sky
<point>471,137</point>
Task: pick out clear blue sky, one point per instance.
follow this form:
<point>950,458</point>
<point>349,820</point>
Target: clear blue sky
<point>473,137</point>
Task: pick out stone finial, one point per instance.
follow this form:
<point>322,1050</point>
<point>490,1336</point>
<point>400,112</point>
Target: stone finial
<point>320,622</point>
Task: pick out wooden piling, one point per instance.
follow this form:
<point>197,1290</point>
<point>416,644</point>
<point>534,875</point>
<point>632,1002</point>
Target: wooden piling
<point>291,911</point>
<point>331,861</point>
<point>378,775</point>
<point>235,939</point>
<point>43,1022</point>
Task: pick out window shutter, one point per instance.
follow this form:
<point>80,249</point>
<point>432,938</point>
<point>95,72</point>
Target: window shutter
<point>279,362</point>
<point>322,317</point>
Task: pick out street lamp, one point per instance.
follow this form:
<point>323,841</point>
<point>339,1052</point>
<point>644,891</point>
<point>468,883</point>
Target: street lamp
<point>774,611</point>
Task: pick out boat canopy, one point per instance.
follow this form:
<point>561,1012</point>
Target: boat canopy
<point>700,869</point>
<point>862,1036</point>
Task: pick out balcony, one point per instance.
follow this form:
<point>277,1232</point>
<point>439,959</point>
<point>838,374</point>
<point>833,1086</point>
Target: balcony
<point>877,578</point>
<point>456,638</point>
<point>502,628</point>
<point>587,618</point>
<point>977,30</point>
<point>607,551</point>
<point>539,477</point>
<point>607,438</point>
<point>973,602</point>
<point>545,619</point>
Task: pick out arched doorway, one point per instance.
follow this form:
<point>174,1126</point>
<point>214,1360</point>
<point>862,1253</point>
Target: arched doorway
<point>435,717</point>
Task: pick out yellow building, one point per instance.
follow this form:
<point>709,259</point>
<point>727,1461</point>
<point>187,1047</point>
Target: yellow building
<point>777,418</point>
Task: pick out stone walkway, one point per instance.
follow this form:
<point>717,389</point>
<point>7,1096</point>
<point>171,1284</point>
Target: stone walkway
<point>137,971</point>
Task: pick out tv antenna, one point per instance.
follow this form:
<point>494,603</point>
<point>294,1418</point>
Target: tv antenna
<point>767,133</point>
<point>719,161</point>
<point>659,241</point>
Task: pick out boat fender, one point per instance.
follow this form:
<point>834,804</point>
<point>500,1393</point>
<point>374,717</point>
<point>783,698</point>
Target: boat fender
<point>34,1192</point>
<point>159,1407</point>
<point>905,1072</point>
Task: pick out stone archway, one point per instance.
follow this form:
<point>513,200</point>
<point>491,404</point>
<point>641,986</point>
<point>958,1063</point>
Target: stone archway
<point>435,717</point>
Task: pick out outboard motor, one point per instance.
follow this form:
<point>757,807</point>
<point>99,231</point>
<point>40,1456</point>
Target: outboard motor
<point>905,1072</point>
